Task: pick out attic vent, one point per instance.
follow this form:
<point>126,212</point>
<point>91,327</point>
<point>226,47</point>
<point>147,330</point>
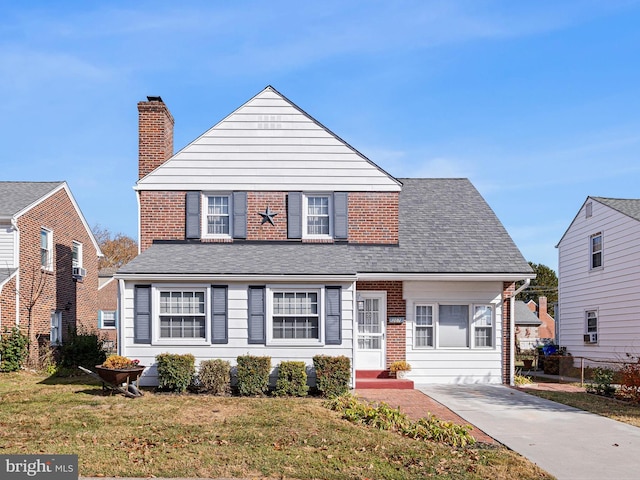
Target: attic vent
<point>588,210</point>
<point>269,122</point>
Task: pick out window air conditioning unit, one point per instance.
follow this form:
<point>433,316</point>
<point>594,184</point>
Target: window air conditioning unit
<point>78,273</point>
<point>590,338</point>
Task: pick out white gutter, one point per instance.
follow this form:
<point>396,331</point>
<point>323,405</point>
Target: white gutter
<point>448,277</point>
<point>177,277</point>
<point>512,333</point>
<point>16,262</point>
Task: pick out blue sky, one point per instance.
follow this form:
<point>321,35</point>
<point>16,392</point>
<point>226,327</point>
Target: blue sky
<point>537,102</point>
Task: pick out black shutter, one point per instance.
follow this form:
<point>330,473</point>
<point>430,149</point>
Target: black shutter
<point>192,210</point>
<point>333,316</point>
<point>256,315</point>
<point>142,314</point>
<point>294,215</point>
<point>219,317</point>
<point>239,214</point>
<point>341,215</point>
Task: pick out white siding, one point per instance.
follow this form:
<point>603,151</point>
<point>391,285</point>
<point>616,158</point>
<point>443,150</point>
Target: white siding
<point>460,365</point>
<point>268,144</point>
<point>613,290</point>
<point>7,247</point>
<point>238,334</point>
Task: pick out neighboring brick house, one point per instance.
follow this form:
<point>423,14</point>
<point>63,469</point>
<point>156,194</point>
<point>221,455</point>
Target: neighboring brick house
<point>49,261</point>
<point>270,235</point>
<point>108,307</point>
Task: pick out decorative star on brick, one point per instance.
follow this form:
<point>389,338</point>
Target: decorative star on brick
<point>267,216</point>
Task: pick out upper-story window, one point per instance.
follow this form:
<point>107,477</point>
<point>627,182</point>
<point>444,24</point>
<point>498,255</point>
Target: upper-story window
<point>76,255</point>
<point>217,218</point>
<point>595,250</point>
<point>46,249</point>
<point>318,212</point>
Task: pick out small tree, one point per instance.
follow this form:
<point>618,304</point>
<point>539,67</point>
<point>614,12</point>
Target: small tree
<point>544,285</point>
<point>118,249</point>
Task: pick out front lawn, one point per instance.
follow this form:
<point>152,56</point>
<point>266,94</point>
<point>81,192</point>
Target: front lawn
<point>203,436</point>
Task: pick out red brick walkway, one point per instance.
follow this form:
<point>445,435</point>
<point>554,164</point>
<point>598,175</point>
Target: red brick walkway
<point>417,405</point>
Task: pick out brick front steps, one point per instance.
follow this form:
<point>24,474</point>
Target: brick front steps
<point>380,379</point>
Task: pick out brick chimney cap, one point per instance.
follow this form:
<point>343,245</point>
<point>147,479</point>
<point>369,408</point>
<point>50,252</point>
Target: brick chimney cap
<point>155,99</point>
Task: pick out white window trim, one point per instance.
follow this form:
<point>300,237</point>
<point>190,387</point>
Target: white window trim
<point>55,326</point>
<point>205,212</point>
<point>305,214</point>
<point>416,326</point>
<point>591,252</point>
<point>49,266</point>
<point>492,326</point>
<point>155,306</point>
<point>306,342</point>
<point>586,320</point>
<point>115,317</point>
<point>79,245</point>
<point>470,325</point>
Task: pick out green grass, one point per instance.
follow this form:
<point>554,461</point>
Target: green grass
<point>204,436</point>
<point>607,407</point>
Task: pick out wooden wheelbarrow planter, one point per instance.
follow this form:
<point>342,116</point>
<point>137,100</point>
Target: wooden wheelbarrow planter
<point>124,381</point>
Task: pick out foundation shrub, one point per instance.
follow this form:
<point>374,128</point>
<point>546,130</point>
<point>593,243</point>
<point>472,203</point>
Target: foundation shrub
<point>81,349</point>
<point>214,377</point>
<point>253,375</point>
<point>292,380</point>
<point>332,374</point>
<point>175,372</point>
<point>14,348</point>
<point>601,382</point>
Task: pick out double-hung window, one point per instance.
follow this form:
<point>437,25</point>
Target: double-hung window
<point>317,216</point>
<point>218,216</point>
<point>296,315</point>
<point>76,255</point>
<point>595,250</point>
<point>55,334</point>
<point>182,314</point>
<point>107,319</point>
<point>482,326</point>
<point>592,321</point>
<point>453,325</point>
<point>424,326</point>
<point>46,249</point>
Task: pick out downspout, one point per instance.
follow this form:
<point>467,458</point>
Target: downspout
<point>16,258</point>
<point>120,319</point>
<point>512,332</point>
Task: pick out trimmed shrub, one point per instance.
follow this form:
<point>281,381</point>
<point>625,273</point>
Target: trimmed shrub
<point>253,375</point>
<point>602,380</point>
<point>82,349</point>
<point>214,376</point>
<point>332,374</point>
<point>292,379</point>
<point>14,348</point>
<point>175,372</point>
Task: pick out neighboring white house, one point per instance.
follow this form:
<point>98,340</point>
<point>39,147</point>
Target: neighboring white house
<point>599,280</point>
<point>269,235</point>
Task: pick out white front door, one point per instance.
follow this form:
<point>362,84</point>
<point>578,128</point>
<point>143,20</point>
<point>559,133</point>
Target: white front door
<point>372,318</point>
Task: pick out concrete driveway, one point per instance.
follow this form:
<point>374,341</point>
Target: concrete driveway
<point>566,442</point>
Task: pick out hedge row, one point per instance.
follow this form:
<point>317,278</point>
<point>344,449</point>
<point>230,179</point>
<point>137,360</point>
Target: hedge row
<point>176,373</point>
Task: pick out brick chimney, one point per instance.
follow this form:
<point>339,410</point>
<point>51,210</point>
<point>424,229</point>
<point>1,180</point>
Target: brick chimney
<point>155,135</point>
<point>542,306</point>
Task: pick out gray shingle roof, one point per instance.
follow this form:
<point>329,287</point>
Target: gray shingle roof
<point>14,196</point>
<point>627,206</point>
<point>445,227</point>
<point>524,316</point>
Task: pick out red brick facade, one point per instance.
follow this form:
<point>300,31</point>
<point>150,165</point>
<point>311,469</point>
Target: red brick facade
<point>108,300</point>
<point>162,217</point>
<point>46,291</point>
<point>258,202</point>
<point>396,307</point>
<point>507,293</point>
<point>373,217</point>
